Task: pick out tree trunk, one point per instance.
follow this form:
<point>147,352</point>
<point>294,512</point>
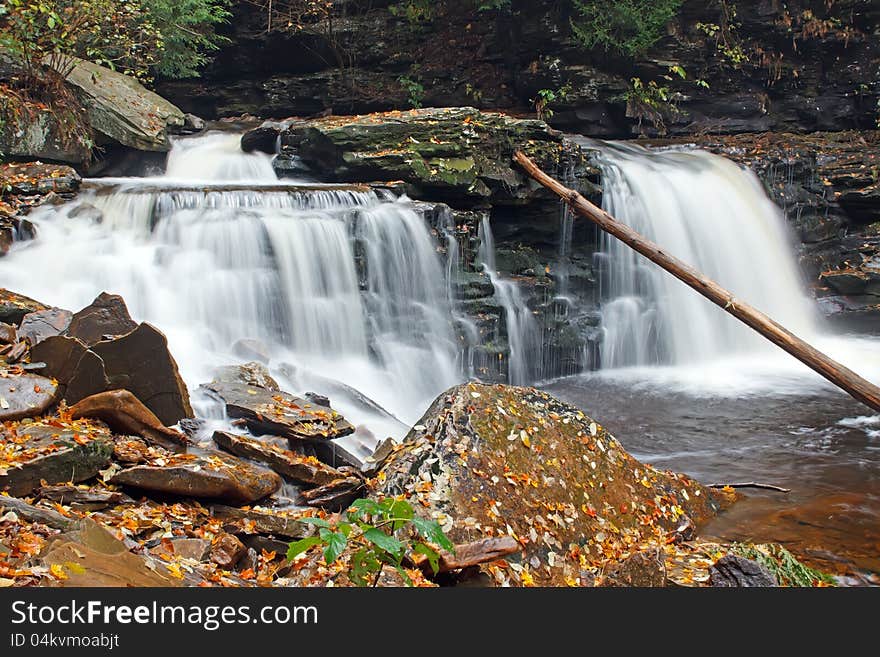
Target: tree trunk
<point>863,390</point>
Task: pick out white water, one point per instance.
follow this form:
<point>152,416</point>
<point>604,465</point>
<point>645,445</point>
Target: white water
<point>213,267</point>
<point>660,335</point>
<point>523,330</point>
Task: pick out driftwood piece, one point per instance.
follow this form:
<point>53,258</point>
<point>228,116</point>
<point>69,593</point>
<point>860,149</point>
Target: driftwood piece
<point>470,554</point>
<point>860,388</point>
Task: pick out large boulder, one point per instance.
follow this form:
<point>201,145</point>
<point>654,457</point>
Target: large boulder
<point>121,108</point>
<point>460,155</point>
<point>92,357</point>
<point>141,363</point>
<point>36,133</point>
<point>497,460</point>
<point>107,316</point>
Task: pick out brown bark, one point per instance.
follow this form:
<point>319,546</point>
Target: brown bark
<point>860,388</point>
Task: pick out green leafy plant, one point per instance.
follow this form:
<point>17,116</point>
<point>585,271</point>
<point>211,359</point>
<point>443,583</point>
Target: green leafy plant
<point>414,89</point>
<point>784,566</point>
<point>377,534</point>
<point>627,27</point>
<point>544,97</point>
<point>649,102</point>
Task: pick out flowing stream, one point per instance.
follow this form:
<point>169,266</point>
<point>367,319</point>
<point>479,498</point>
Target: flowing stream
<point>685,386</point>
<point>344,285</point>
<point>345,291</point>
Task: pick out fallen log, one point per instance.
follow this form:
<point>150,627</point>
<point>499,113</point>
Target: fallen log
<point>844,378</point>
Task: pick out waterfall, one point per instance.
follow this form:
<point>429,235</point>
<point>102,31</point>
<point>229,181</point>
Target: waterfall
<point>523,331</point>
<point>337,284</point>
<point>713,215</point>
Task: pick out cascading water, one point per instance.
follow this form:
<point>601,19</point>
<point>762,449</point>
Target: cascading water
<point>339,284</point>
<point>713,215</point>
<point>523,331</point>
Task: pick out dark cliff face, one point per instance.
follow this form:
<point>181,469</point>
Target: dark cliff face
<point>750,65</point>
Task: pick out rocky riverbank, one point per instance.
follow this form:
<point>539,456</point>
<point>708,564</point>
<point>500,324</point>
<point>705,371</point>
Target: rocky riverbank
<point>532,490</point>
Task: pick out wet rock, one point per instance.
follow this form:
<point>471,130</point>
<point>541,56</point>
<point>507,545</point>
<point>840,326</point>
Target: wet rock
<point>197,549</point>
<point>516,461</point>
<point>51,452</point>
<point>192,124</point>
<point>250,560</point>
<point>92,498</point>
<point>261,139</point>
<point>317,400</point>
<point>38,178</point>
<point>125,413</point>
<point>226,550</point>
<point>79,371</point>
<point>251,349</point>
<point>119,107</point>
<point>262,522</point>
<point>335,496</point>
<point>8,334</point>
<point>191,426</point>
<point>91,556</point>
<point>212,475</point>
<point>293,466</point>
<point>643,569</point>
<point>141,363</point>
<point>735,571</point>
<point>13,307</point>
<point>252,374</point>
<point>107,316</point>
<point>37,326</point>
<point>14,353</point>
<point>279,413</point>
<point>25,395</point>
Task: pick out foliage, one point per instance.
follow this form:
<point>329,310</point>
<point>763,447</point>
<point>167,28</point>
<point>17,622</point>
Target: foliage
<point>187,33</point>
<point>414,89</point>
<point>546,96</point>
<point>784,565</point>
<point>628,27</point>
<point>649,102</point>
<point>377,534</point>
<point>135,37</point>
<point>414,11</point>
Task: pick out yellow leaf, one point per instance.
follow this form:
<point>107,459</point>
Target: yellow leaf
<point>527,579</point>
<point>174,569</point>
<point>57,571</point>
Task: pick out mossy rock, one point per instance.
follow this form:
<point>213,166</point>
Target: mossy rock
<point>458,154</point>
<point>499,460</point>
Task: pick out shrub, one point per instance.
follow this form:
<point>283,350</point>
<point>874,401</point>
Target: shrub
<point>629,27</point>
<point>375,534</point>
